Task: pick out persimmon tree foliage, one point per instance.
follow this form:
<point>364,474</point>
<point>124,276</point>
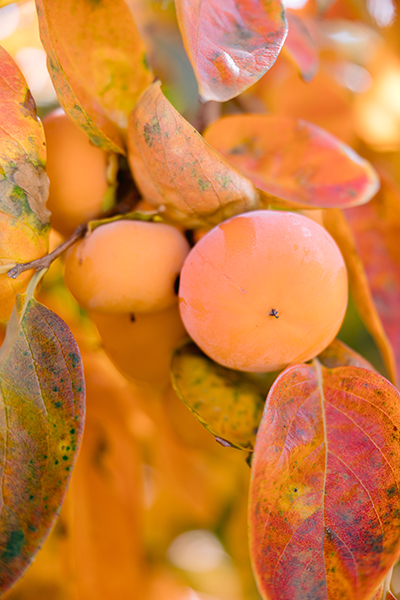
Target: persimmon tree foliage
<point>308,429</point>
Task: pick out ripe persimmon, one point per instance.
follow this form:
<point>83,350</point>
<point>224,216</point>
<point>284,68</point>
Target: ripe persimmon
<point>141,344</point>
<point>263,290</point>
<point>77,171</point>
<point>126,266</point>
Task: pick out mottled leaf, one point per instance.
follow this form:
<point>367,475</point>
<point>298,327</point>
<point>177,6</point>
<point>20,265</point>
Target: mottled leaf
<point>177,171</point>
<point>300,47</point>
<point>338,354</point>
<point>338,227</point>
<point>324,496</point>
<point>228,403</point>
<point>24,219</point>
<point>294,160</point>
<point>376,230</point>
<point>231,44</point>
<point>41,425</point>
<point>97,64</point>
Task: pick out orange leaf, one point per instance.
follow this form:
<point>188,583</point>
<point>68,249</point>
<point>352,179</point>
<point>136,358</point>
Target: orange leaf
<point>294,160</point>
<point>337,354</point>
<point>376,230</point>
<point>300,47</point>
<point>42,408</point>
<point>24,219</point>
<point>97,63</point>
<point>231,44</point>
<point>177,171</point>
<point>338,227</point>
<point>324,496</point>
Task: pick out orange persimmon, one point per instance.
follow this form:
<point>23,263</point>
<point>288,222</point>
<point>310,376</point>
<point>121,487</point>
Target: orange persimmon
<point>263,290</point>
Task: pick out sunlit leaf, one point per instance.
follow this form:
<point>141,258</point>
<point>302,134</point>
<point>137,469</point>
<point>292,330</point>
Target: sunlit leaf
<point>376,230</point>
<point>337,354</point>
<point>300,47</point>
<point>97,64</point>
<point>228,403</point>
<point>42,414</point>
<point>231,44</point>
<point>339,228</point>
<point>324,497</point>
<point>176,170</point>
<point>24,219</point>
<point>294,160</point>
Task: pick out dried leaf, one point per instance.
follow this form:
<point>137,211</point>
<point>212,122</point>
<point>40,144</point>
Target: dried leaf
<point>228,403</point>
<point>376,230</point>
<point>231,44</point>
<point>337,354</point>
<point>336,224</point>
<point>294,160</point>
<point>324,497</point>
<point>300,47</point>
<point>176,170</point>
<point>24,219</point>
<point>42,413</point>
<point>98,77</point>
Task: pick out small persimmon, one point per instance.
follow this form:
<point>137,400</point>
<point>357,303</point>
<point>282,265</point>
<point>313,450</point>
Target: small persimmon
<point>126,266</point>
<point>77,171</point>
<point>263,290</point>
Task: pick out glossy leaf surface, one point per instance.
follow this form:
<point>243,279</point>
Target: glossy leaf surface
<point>294,160</point>
<point>228,403</point>
<point>98,77</point>
<point>24,219</point>
<point>376,230</point>
<point>300,47</point>
<point>42,414</point>
<point>338,354</point>
<point>324,497</point>
<point>231,44</point>
<point>339,228</point>
<point>176,170</point>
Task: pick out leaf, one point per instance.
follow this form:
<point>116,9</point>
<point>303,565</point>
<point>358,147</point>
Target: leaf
<point>376,231</point>
<point>300,47</point>
<point>228,403</point>
<point>42,414</point>
<point>24,219</point>
<point>294,160</point>
<point>324,496</point>
<point>231,44</point>
<point>336,224</point>
<point>337,354</point>
<point>176,170</point>
<point>97,64</point>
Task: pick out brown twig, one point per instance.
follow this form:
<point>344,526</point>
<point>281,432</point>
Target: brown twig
<point>45,261</point>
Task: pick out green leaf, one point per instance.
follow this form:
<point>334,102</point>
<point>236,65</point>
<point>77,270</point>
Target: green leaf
<point>41,425</point>
<point>228,403</point>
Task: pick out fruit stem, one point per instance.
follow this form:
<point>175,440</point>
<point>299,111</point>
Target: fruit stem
<point>45,261</point>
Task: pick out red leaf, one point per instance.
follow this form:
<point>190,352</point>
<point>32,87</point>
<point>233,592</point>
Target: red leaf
<point>300,47</point>
<point>376,230</point>
<point>339,228</point>
<point>176,170</point>
<point>231,44</point>
<point>324,497</point>
<point>42,413</point>
<point>294,160</point>
<point>97,63</point>
<point>337,354</point>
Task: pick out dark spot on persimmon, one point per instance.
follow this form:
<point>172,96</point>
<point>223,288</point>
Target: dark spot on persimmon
<point>274,313</point>
<point>132,318</point>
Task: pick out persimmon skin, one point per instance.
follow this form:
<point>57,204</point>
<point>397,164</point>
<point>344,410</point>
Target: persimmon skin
<point>126,267</point>
<point>264,290</point>
<point>77,173</point>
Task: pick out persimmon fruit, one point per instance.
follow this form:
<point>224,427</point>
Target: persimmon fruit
<point>77,171</point>
<point>126,267</point>
<point>263,290</point>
